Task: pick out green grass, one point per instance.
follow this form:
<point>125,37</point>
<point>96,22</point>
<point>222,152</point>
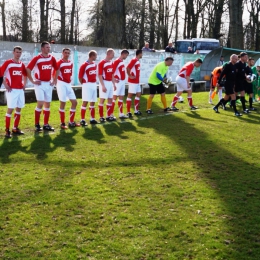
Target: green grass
<point>184,185</point>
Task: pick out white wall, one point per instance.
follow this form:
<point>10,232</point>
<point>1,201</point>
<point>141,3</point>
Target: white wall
<point>149,60</point>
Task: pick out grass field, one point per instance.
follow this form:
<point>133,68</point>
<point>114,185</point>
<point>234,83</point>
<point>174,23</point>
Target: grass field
<point>183,185</point>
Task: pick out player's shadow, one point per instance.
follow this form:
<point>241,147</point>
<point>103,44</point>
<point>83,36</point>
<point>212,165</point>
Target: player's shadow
<point>65,139</point>
<point>120,129</point>
<point>41,145</point>
<point>231,177</point>
<point>10,147</point>
<point>94,133</point>
<point>196,114</point>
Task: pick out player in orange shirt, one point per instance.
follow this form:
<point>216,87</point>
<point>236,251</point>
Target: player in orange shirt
<point>14,80</point>
<point>63,76</point>
<point>213,83</point>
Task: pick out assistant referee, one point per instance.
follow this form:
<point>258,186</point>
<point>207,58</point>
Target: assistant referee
<point>155,83</point>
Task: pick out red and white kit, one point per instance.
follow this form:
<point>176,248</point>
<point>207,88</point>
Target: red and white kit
<point>119,74</point>
<point>105,69</point>
<point>88,73</point>
<point>134,66</point>
<point>63,86</point>
<point>42,67</point>
<point>185,71</point>
<point>13,73</point>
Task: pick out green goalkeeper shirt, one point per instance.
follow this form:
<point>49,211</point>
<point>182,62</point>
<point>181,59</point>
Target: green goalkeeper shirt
<point>161,69</point>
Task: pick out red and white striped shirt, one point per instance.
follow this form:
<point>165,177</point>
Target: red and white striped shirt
<point>134,67</point>
<point>42,67</point>
<point>13,72</point>
<point>119,69</point>
<point>186,70</point>
<point>88,72</point>
<point>65,70</point>
<point>105,69</point>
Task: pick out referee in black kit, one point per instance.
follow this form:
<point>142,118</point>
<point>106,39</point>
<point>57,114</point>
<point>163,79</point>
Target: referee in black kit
<point>229,71</point>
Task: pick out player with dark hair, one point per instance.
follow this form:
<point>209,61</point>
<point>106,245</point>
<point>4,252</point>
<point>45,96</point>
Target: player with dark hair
<point>229,71</point>
<point>240,84</point>
<point>119,75</point>
<point>14,79</point>
<point>106,85</point>
<point>42,65</point>
<point>133,72</point>
<point>183,83</point>
<point>63,76</point>
<point>155,81</point>
<point>88,78</point>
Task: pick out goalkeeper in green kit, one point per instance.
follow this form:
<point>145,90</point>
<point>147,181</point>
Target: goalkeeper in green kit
<point>155,82</point>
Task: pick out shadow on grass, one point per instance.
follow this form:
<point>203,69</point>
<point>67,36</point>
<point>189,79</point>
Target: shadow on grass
<point>235,180</point>
<point>93,132</point>
<point>43,143</point>
<point>10,147</point>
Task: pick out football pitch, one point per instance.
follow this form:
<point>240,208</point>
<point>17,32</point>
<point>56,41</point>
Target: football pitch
<point>181,185</point>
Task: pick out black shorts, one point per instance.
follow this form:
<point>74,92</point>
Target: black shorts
<point>249,88</point>
<point>240,86</point>
<point>229,88</point>
<point>156,88</point>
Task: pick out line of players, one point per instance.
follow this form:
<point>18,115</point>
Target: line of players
<point>112,76</point>
<point>239,78</point>
<point>48,72</point>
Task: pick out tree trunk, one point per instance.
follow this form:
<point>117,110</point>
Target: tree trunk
<point>236,24</point>
<point>44,9</point>
<point>72,21</point>
<point>114,23</point>
<point>25,22</point>
<point>62,22</point>
<point>152,23</point>
<point>141,38</point>
<point>176,14</point>
<point>3,20</point>
<point>218,15</point>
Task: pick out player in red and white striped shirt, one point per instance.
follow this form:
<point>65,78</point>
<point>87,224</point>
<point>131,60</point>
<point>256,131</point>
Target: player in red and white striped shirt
<point>106,85</point>
<point>119,75</point>
<point>183,83</point>
<point>88,79</point>
<point>63,76</point>
<point>133,72</point>
<point>14,79</point>
<point>42,65</point>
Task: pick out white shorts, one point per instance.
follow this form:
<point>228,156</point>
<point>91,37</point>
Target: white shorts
<point>15,98</point>
<point>65,91</point>
<point>110,90</point>
<point>43,92</point>
<point>181,84</point>
<point>120,88</point>
<point>134,88</point>
<point>89,92</point>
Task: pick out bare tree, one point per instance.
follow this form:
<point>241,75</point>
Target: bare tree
<point>72,15</point>
<point>62,21</point>
<point>44,14</point>
<point>114,16</point>
<point>236,24</point>
<point>3,19</point>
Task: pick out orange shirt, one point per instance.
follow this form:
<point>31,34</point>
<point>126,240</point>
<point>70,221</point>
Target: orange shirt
<point>215,75</point>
